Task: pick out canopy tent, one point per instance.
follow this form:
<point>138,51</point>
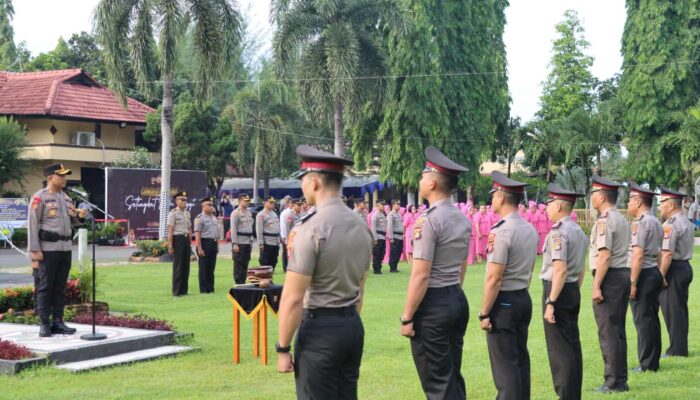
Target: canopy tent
<point>353,186</point>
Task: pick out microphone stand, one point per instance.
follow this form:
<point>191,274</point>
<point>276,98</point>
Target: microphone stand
<point>94,335</point>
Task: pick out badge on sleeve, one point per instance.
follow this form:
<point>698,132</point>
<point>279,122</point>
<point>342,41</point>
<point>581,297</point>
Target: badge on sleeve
<point>489,244</point>
<point>667,232</point>
<point>35,202</point>
<point>635,228</point>
<point>601,228</point>
<point>556,243</point>
<point>418,228</point>
<point>290,242</point>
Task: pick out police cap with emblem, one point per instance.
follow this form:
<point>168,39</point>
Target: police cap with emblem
<point>435,161</point>
<point>600,183</point>
<point>206,199</point>
<point>313,160</point>
<point>270,199</point>
<point>243,197</point>
<point>505,184</point>
<point>359,200</point>
<point>57,169</point>
<point>636,190</point>
<point>180,194</point>
<point>556,192</point>
<point>668,194</point>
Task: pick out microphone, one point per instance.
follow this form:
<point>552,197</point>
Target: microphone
<point>77,191</point>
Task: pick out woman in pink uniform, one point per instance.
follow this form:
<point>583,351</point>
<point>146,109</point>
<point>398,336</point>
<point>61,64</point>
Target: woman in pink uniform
<point>409,219</point>
<point>471,213</point>
<point>483,227</point>
<point>543,226</point>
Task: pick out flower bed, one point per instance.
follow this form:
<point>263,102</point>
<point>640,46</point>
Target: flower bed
<point>11,351</point>
<point>21,299</point>
<point>137,321</point>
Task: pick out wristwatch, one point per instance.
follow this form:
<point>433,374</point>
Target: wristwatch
<point>406,321</point>
<point>483,316</point>
<point>549,301</point>
<point>281,349</point>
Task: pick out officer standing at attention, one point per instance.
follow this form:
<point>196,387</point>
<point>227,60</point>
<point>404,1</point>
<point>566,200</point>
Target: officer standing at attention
<point>329,254</point>
<point>645,278</point>
<point>379,237</point>
<point>285,228</point>
<point>676,252</point>
<point>50,218</point>
<point>206,235</point>
<point>268,233</point>
<point>241,238</point>
<point>506,307</point>
<point>563,269</point>
<point>179,243</point>
<point>609,241</point>
<point>394,235</point>
<point>360,207</point>
<point>436,311</point>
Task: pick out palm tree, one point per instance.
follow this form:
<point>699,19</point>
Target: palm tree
<point>260,116</point>
<point>338,64</point>
<point>128,31</point>
<point>684,142</point>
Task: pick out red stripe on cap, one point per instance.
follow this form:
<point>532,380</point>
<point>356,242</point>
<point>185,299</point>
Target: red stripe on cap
<point>322,166</point>
<point>441,169</point>
<point>641,194</point>
<point>604,187</point>
<point>557,196</point>
<point>667,196</point>
<point>516,189</point>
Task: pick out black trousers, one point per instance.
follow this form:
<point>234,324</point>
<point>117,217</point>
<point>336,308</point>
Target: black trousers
<point>507,343</point>
<point>182,249</point>
<point>227,225</point>
<point>645,310</point>
<point>563,341</point>
<point>378,252</point>
<point>269,255</point>
<point>51,292</point>
<point>395,254</point>
<point>285,257</point>
<point>610,316</point>
<point>240,263</point>
<point>440,323</point>
<point>207,265</point>
<point>674,306</point>
<point>35,275</point>
<point>327,354</point>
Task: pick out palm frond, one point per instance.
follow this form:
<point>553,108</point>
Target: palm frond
<point>296,27</point>
<point>172,28</point>
<point>342,51</point>
<point>143,49</point>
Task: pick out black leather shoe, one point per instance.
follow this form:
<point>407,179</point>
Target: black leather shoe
<point>617,389</point>
<point>45,330</point>
<point>638,369</point>
<point>394,271</point>
<point>60,328</point>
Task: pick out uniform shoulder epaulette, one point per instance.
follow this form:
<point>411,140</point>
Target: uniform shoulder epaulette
<point>671,220</point>
<point>557,225</point>
<point>429,210</point>
<point>499,223</point>
<point>603,215</point>
<point>306,217</point>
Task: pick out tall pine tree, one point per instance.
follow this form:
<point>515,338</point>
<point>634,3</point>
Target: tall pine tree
<point>8,51</point>
<point>660,79</point>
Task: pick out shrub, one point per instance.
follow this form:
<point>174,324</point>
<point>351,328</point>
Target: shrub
<point>12,351</point>
<point>152,248</point>
<point>137,321</point>
<point>22,298</point>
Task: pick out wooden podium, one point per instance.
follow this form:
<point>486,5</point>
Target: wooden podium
<point>253,302</point>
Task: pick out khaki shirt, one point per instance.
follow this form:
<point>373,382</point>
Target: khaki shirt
<point>268,228</point>
<point>678,237</point>
<point>241,222</point>
<point>441,235</point>
<point>332,247</point>
<point>611,231</point>
<point>379,226</point>
<point>394,226</point>
<point>566,242</point>
<point>361,214</point>
<point>51,212</point>
<point>513,242</point>
<point>180,221</point>
<point>207,225</point>
<point>646,233</point>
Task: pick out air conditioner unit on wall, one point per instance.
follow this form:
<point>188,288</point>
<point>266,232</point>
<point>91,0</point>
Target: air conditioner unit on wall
<point>83,139</point>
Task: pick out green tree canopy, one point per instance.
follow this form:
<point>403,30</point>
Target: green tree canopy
<point>8,50</point>
<point>13,167</point>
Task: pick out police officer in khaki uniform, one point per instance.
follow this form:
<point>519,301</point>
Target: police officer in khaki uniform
<point>206,235</point>
<point>563,269</point>
<point>645,277</point>
<point>609,241</point>
<point>180,243</point>
<point>506,307</point>
<point>49,246</point>
<point>436,311</point>
<point>360,206</point>
<point>676,252</point>
<point>268,233</point>
<point>394,235</point>
<point>329,252</point>
<point>241,238</point>
<point>379,237</point>
<point>290,219</point>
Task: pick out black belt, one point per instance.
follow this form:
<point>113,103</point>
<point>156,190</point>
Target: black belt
<point>613,270</point>
<point>271,234</point>
<point>330,312</point>
<point>381,233</point>
<point>47,236</point>
<point>398,233</point>
<point>244,233</point>
<point>180,234</point>
<point>517,291</point>
<point>208,238</point>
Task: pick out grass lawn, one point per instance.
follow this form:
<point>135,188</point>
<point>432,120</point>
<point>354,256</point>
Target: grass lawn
<point>387,367</point>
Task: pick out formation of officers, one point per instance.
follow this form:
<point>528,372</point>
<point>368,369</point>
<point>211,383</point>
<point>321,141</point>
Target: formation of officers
<point>643,263</point>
